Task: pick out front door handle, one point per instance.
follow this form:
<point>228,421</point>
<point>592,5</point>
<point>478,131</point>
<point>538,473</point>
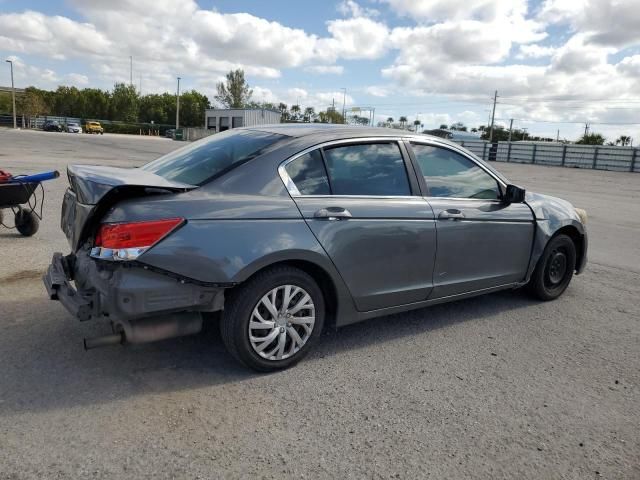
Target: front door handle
<point>451,214</point>
<point>333,213</point>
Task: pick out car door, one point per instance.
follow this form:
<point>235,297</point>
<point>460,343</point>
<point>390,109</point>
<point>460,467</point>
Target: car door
<point>483,242</point>
<point>368,215</point>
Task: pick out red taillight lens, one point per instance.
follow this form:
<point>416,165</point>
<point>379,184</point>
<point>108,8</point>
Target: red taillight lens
<point>134,234</point>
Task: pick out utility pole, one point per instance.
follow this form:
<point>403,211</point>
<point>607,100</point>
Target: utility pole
<point>586,129</point>
<point>524,133</point>
<point>493,116</point>
<point>131,70</point>
<point>178,106</point>
<point>558,136</point>
<point>13,95</point>
<point>344,100</point>
<point>510,129</point>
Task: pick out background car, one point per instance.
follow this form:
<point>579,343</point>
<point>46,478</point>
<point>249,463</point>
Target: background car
<point>169,133</point>
<point>52,126</point>
<point>287,228</point>
<point>74,127</point>
<point>93,127</point>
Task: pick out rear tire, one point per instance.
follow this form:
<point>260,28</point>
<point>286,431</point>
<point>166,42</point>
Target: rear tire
<point>289,332</point>
<point>27,223</point>
<point>554,270</point>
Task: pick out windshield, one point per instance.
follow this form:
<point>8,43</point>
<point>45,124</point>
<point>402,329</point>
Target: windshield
<point>202,161</point>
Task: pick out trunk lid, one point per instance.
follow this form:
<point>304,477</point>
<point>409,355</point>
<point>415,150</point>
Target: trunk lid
<point>94,189</point>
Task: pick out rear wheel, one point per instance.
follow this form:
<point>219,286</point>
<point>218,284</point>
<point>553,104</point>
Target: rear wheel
<point>27,223</point>
<point>273,320</point>
<point>554,270</point>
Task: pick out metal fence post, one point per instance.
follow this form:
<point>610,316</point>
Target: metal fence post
<point>633,160</point>
<point>533,155</point>
<point>564,154</point>
<point>509,152</point>
<point>484,150</point>
<point>595,158</point>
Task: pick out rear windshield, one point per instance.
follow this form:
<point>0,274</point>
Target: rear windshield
<point>206,159</point>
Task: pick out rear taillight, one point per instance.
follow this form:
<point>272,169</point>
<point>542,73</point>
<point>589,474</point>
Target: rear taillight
<point>126,241</point>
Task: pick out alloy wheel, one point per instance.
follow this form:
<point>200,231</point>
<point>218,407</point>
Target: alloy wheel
<point>282,322</point>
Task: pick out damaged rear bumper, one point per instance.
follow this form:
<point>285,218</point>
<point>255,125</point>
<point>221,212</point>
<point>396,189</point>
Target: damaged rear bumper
<point>91,289</point>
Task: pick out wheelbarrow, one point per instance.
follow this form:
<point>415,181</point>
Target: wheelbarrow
<point>18,193</point>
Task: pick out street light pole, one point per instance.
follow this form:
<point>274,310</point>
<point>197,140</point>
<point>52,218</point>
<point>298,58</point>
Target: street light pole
<point>178,106</point>
<point>13,95</point>
<point>344,99</point>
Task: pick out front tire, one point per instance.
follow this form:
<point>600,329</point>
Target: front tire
<point>554,270</point>
<point>273,321</point>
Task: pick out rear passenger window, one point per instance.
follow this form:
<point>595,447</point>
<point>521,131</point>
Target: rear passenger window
<point>367,169</point>
<point>308,174</point>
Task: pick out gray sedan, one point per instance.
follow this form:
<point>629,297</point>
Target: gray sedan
<point>289,229</point>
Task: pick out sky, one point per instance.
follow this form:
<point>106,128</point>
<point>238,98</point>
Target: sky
<point>556,64</point>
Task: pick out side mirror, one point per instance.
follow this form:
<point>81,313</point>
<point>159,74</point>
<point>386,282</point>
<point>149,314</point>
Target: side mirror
<point>514,194</point>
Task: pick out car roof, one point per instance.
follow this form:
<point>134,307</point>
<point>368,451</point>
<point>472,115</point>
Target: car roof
<point>318,132</point>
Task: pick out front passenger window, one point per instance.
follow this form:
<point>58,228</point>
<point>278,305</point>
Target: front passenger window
<point>449,174</point>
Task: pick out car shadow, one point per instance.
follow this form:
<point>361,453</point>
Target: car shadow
<point>44,366</point>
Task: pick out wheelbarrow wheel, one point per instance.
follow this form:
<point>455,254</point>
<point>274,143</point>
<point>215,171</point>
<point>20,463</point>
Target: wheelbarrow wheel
<point>27,223</point>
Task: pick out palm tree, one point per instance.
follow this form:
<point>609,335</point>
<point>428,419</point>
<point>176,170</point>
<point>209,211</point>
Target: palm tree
<point>295,111</point>
<point>403,121</point>
<point>284,110</point>
<point>416,123</point>
<point>623,140</point>
<point>309,114</point>
<point>389,121</point>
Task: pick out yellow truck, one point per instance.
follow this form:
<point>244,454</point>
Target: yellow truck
<point>93,127</point>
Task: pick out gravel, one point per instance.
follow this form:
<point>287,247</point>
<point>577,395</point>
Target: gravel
<point>499,386</point>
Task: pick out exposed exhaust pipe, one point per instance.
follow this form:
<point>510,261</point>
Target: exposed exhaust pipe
<point>103,341</point>
<point>150,329</point>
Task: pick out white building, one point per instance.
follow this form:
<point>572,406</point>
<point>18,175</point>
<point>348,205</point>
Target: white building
<point>223,119</point>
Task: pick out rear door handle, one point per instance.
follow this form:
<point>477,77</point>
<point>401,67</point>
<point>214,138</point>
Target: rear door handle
<point>451,214</point>
<point>333,213</point>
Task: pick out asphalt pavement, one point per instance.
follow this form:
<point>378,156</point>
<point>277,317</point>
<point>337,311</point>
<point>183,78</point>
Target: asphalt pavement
<point>499,386</point>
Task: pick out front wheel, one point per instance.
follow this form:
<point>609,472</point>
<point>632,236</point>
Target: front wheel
<point>273,320</point>
<point>554,270</point>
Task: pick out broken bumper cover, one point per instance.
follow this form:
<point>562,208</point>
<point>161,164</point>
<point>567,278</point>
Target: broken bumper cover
<point>123,292</point>
<point>59,288</point>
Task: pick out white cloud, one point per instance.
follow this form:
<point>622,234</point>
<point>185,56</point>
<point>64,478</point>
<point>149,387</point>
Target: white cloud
<point>377,91</point>
<point>77,79</point>
<point>326,69</point>
<point>535,51</point>
<point>353,9</point>
<point>166,40</point>
<point>603,22</point>
<point>453,10</point>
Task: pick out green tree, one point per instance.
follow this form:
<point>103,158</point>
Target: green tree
<point>591,139</point>
<point>416,124</point>
<point>235,91</point>
<point>124,103</point>
<point>403,121</point>
<point>295,112</point>
<point>309,114</point>
<point>623,140</point>
<point>459,126</point>
<point>443,126</point>
<point>389,122</point>
<point>192,107</point>
<point>331,115</point>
